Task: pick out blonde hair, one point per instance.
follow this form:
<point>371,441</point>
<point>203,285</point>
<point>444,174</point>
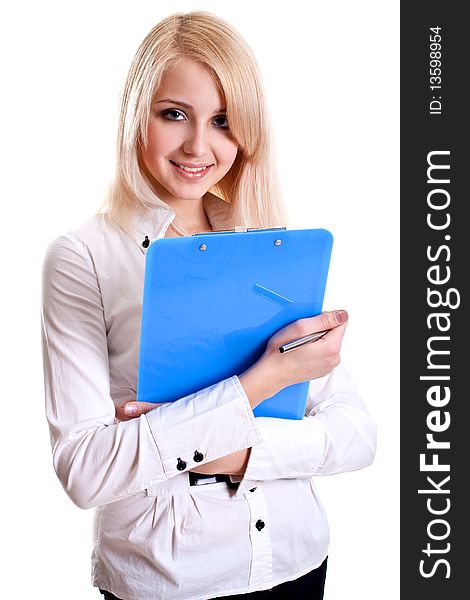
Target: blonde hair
<point>251,184</point>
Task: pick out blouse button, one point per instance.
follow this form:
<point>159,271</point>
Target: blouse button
<point>146,242</point>
<point>181,465</point>
<point>197,456</point>
<point>259,524</point>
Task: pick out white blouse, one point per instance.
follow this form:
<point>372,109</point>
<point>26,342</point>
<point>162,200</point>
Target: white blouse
<point>155,536</point>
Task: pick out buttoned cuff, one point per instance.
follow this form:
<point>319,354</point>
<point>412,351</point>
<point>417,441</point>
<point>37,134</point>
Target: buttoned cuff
<point>203,426</point>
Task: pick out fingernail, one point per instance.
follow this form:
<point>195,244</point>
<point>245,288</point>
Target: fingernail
<point>130,409</point>
<point>341,316</point>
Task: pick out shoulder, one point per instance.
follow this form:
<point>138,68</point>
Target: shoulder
<point>89,233</point>
<point>85,240</point>
<point>70,280</point>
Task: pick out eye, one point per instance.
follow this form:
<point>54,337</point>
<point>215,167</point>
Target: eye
<point>173,114</point>
<point>220,121</point>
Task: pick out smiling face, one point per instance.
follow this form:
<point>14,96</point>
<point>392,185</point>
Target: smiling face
<point>190,147</point>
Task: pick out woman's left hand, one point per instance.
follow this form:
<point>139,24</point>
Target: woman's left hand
<point>130,409</point>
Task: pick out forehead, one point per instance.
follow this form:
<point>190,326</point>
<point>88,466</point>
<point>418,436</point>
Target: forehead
<point>193,83</point>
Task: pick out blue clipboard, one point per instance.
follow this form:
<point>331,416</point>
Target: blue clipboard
<point>212,301</point>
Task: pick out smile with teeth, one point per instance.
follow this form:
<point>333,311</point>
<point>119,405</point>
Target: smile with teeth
<point>192,171</point>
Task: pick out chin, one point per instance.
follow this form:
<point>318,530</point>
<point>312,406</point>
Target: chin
<point>194,193</point>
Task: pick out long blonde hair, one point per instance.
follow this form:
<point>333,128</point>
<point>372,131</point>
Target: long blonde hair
<point>251,184</point>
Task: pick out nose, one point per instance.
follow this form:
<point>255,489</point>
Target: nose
<point>197,141</point>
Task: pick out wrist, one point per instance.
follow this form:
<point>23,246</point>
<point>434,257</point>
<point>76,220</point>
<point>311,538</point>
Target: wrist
<point>258,385</point>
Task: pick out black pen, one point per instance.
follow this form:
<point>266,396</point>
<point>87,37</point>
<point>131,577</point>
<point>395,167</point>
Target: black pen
<point>313,337</point>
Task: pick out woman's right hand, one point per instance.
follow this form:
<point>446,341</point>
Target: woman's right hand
<point>275,371</point>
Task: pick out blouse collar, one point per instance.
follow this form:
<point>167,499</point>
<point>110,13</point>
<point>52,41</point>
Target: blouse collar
<point>152,223</point>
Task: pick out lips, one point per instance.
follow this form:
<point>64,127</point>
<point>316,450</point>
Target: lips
<point>191,171</point>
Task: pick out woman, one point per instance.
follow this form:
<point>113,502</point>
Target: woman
<point>195,499</point>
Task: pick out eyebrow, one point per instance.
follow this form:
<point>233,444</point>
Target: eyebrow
<point>184,104</point>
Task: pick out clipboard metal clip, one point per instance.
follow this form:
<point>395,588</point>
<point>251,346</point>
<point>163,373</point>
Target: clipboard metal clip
<point>240,229</point>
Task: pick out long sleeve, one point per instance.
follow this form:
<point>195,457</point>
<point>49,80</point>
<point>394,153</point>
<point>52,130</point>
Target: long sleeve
<point>335,436</point>
<point>96,459</point>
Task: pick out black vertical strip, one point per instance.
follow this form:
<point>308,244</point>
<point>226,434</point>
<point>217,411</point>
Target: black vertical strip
<point>435,254</point>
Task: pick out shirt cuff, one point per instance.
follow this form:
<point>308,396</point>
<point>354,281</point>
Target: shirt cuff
<point>290,449</point>
<point>203,426</point>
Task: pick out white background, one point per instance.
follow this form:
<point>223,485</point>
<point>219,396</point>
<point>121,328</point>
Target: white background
<point>331,75</point>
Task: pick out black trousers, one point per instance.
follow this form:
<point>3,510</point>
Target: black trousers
<point>308,587</point>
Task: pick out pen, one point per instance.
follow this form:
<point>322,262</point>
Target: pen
<point>313,337</point>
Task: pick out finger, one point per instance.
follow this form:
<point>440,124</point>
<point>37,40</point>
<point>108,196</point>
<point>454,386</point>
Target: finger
<point>326,321</point>
<point>335,334</point>
<point>133,409</point>
<point>331,319</point>
<point>333,323</point>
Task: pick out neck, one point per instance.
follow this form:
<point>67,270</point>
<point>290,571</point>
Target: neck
<point>190,216</point>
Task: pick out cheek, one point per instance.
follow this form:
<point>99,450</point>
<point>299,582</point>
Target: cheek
<point>159,142</point>
<point>229,153</point>
<point>155,147</point>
